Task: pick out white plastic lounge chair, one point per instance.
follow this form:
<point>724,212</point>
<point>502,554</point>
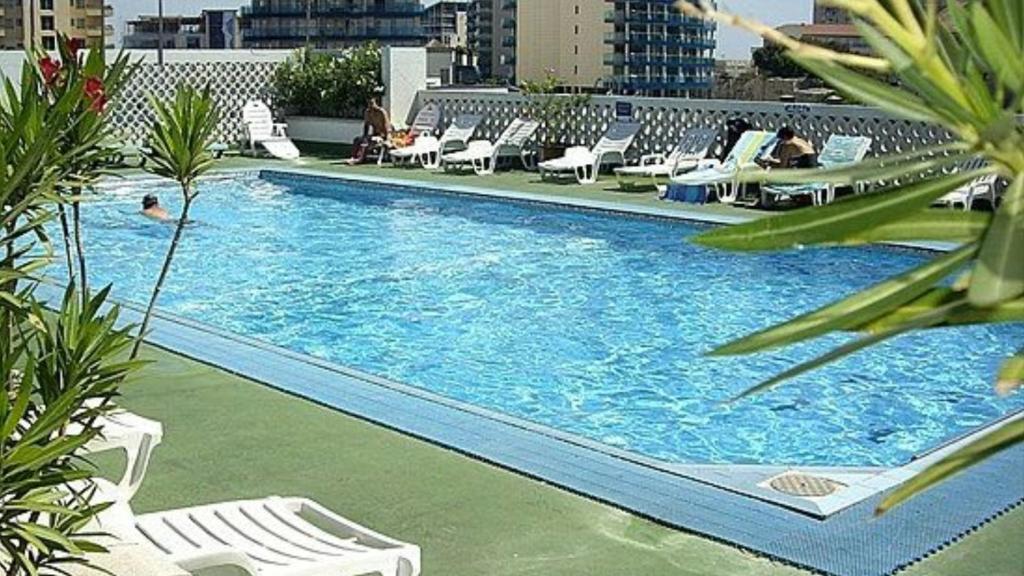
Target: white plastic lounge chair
<point>137,437</point>
<point>584,164</point>
<point>427,150</point>
<point>838,151</point>
<point>655,169</point>
<point>483,156</point>
<point>723,176</point>
<point>963,197</point>
<point>427,120</point>
<point>263,131</point>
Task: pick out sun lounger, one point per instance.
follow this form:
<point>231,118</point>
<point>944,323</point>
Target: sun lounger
<point>838,151</point>
<point>963,197</point>
<point>584,164</point>
<point>427,150</point>
<point>723,176</point>
<point>657,169</point>
<point>427,120</point>
<point>263,131</point>
<point>483,156</point>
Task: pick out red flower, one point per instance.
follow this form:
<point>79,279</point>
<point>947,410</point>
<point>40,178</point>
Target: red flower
<point>98,105</point>
<point>93,90</point>
<point>50,69</point>
<point>73,46</point>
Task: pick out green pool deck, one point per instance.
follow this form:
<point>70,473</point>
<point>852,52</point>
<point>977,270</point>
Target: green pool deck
<point>230,438</point>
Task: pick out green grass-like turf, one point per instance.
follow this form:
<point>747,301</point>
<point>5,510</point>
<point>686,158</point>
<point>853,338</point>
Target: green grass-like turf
<point>227,438</point>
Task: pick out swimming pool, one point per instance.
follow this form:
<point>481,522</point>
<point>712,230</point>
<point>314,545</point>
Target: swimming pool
<point>590,323</point>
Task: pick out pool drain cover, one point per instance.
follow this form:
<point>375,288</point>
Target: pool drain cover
<point>804,485</point>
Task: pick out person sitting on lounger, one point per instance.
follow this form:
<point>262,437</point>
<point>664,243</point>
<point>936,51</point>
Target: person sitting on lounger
<point>790,152</point>
<point>151,208</point>
<point>376,131</point>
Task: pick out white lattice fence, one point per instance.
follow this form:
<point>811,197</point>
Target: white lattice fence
<point>232,84</point>
<point>664,119</point>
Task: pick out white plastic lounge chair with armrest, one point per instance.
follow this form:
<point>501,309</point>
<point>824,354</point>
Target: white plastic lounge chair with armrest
<point>263,131</point>
<point>963,197</point>
<point>838,151</point>
<point>584,164</point>
<point>427,150</point>
<point>483,156</point>
<point>268,537</point>
<point>723,176</point>
<point>655,169</point>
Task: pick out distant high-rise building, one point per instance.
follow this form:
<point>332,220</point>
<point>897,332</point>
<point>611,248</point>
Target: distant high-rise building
<point>40,22</point>
<point>446,22</point>
<point>824,14</point>
<point>492,36</point>
<point>652,49</point>
<point>213,29</point>
<point>332,23</point>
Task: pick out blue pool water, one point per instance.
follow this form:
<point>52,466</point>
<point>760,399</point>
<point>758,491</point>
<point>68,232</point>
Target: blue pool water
<point>589,323</point>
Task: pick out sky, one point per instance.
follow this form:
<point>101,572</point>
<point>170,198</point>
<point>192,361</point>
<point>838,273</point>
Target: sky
<point>732,43</point>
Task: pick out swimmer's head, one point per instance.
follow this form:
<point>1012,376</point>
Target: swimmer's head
<point>150,201</point>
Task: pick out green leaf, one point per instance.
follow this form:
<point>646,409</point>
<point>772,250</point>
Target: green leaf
<point>922,321</point>
<point>999,273</point>
<point>1007,312</point>
<point>931,225</point>
<point>1011,374</point>
<point>855,310</point>
<point>834,222</point>
<point>989,445</point>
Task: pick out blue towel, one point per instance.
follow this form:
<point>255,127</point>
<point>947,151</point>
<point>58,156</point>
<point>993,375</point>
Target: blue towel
<point>689,193</point>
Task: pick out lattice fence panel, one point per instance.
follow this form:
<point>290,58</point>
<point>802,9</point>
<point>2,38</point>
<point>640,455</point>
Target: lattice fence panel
<point>232,84</point>
<point>664,119</point>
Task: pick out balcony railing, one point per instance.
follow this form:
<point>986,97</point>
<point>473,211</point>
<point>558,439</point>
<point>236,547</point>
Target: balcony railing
<point>354,34</point>
<point>398,10</point>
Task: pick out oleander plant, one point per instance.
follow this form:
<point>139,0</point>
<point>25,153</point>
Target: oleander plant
<point>61,364</point>
<point>958,66</point>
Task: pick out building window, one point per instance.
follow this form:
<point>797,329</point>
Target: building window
<point>577,29</point>
<point>577,10</point>
<point>49,43</point>
<point>46,4</point>
<point>46,22</point>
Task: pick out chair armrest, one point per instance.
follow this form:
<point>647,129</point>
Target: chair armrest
<point>709,163</point>
<point>215,557</point>
<point>137,436</point>
<point>648,159</point>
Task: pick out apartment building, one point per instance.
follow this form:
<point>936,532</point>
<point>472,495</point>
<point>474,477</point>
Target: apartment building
<point>653,50</point>
<point>565,38</point>
<point>40,22</point>
<point>492,37</point>
<point>445,22</point>
<point>332,23</point>
<point>211,30</point>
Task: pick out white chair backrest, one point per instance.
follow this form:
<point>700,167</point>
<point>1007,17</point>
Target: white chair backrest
<point>749,147</point>
<point>618,138</point>
<point>842,150</point>
<point>427,119</point>
<point>510,132</point>
<point>462,128</point>
<point>694,144</point>
<point>258,120</point>
<point>526,131</point>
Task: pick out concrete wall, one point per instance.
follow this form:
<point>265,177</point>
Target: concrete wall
<point>405,74</point>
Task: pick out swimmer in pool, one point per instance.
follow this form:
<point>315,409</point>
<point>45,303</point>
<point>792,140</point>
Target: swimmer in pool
<point>151,208</point>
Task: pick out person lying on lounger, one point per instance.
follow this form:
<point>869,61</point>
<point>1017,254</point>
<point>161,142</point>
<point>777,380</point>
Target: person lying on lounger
<point>791,152</point>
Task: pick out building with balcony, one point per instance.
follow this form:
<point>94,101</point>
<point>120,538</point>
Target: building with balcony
<point>40,22</point>
<point>492,37</point>
<point>445,22</point>
<point>653,50</point>
<point>332,23</point>
<point>213,29</point>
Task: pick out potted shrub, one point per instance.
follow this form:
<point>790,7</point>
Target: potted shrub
<point>323,95</point>
<point>555,112</point>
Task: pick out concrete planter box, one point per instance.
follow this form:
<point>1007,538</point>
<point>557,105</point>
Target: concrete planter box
<point>325,130</point>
